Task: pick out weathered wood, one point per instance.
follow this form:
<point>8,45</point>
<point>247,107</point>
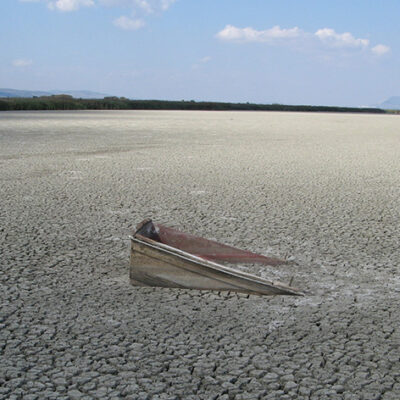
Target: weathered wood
<point>158,264</point>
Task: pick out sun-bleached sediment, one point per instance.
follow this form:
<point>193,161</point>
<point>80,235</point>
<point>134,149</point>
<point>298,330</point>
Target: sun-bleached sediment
<point>321,190</point>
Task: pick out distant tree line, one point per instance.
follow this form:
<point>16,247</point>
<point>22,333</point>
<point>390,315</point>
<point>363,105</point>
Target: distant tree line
<point>66,102</point>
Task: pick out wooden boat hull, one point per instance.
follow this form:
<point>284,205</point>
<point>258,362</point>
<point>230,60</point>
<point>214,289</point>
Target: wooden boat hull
<point>158,264</point>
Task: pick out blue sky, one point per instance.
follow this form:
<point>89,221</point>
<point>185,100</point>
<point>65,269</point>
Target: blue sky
<point>282,51</point>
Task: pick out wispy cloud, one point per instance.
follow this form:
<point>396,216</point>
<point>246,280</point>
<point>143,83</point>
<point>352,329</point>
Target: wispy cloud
<point>165,4</point>
<point>328,37</point>
<point>63,5</point>
<point>380,49</point>
<point>232,33</point>
<point>22,62</point>
<point>129,24</point>
<point>146,7</point>
<point>205,59</point>
<point>69,5</point>
<point>331,38</point>
<point>141,8</point>
<point>202,61</point>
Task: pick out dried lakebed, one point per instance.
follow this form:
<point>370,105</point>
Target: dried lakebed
<point>319,189</point>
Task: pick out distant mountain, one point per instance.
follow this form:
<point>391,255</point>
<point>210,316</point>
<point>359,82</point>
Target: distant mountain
<point>81,94</point>
<point>78,94</point>
<point>393,103</point>
<point>22,93</point>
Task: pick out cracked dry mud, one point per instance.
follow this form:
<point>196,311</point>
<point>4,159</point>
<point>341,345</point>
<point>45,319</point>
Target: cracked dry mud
<point>322,190</point>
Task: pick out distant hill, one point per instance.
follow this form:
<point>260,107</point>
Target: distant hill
<point>21,93</point>
<point>82,94</point>
<point>78,94</point>
<point>393,103</point>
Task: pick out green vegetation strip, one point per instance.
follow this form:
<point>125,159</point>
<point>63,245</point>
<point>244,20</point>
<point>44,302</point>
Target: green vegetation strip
<point>65,102</point>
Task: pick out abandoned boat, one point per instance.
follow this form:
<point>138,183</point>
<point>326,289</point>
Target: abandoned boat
<point>165,257</point>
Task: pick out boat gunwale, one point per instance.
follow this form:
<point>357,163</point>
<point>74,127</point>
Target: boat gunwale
<point>212,266</point>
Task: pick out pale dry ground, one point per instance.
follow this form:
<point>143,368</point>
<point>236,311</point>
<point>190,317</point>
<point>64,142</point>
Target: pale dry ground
<point>320,189</point>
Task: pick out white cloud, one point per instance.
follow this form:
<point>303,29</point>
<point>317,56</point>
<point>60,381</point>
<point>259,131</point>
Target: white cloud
<point>165,4</point>
<point>151,6</point>
<point>334,39</point>
<point>147,6</point>
<point>205,59</point>
<point>327,37</point>
<point>69,5</point>
<point>380,49</point>
<point>201,62</point>
<point>22,62</point>
<point>140,9</point>
<point>232,33</point>
<point>129,24</point>
<point>64,5</point>
<point>140,6</point>
<point>143,5</point>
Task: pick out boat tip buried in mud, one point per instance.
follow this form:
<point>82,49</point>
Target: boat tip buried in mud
<point>165,257</point>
